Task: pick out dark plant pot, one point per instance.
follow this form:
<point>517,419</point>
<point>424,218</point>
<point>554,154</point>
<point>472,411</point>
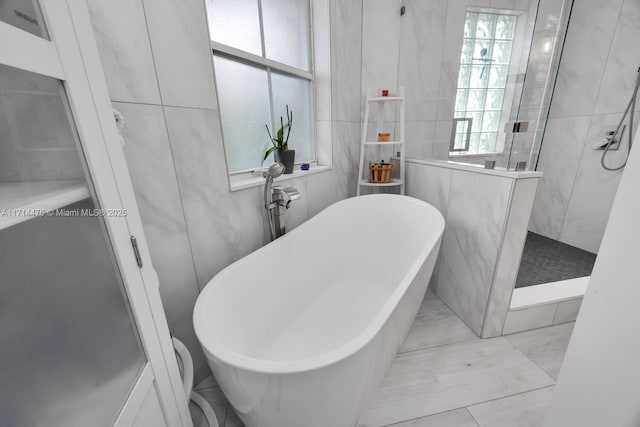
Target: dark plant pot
<point>287,158</point>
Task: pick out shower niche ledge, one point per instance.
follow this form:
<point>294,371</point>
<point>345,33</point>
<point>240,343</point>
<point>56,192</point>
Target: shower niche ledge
<point>22,201</point>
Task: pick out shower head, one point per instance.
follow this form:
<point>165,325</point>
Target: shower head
<point>275,170</point>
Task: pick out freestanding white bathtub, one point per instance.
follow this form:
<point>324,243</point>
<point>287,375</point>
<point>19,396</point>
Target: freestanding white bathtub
<point>301,332</point>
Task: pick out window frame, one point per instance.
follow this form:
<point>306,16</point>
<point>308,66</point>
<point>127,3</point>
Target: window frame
<point>513,67</point>
<point>270,65</point>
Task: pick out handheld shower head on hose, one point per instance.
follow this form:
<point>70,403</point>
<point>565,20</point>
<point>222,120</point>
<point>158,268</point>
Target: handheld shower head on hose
<point>631,107</point>
<point>274,171</point>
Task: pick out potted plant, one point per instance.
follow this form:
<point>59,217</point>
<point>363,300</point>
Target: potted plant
<point>280,143</point>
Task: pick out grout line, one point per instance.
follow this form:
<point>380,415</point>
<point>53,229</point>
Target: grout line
<point>469,406</point>
<point>471,414</point>
<point>507,397</point>
<point>163,105</point>
<point>173,161</point>
<point>533,361</point>
<point>449,344</point>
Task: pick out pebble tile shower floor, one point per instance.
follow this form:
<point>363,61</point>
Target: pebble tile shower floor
<point>445,376</point>
<point>546,260</point>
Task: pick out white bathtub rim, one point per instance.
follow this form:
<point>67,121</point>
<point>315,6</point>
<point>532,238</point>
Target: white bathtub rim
<point>215,349</point>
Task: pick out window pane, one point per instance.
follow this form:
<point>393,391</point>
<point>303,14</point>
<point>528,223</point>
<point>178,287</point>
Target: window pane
<point>474,142</point>
<point>505,27</point>
<point>475,101</point>
<point>463,76</point>
<point>477,121</point>
<point>467,52</point>
<point>22,14</point>
<point>491,121</point>
<point>235,23</point>
<point>501,52</point>
<point>479,76</point>
<point>494,99</point>
<point>286,31</point>
<point>498,76</point>
<point>244,110</point>
<point>481,49</point>
<point>486,26</point>
<point>488,142</point>
<point>296,93</point>
<point>470,25</point>
<point>461,100</point>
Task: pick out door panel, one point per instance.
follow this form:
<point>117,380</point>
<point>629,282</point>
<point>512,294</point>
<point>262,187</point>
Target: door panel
<point>70,354</point>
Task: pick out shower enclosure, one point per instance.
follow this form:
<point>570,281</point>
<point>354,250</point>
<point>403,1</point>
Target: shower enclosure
<point>479,75</point>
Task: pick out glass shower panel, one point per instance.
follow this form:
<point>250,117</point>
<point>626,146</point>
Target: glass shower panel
<point>70,352</point>
<point>544,58</point>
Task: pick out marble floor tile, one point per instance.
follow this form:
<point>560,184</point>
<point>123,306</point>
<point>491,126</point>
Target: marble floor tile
<point>456,418</point>
<point>208,382</point>
<point>430,299</point>
<point>522,410</point>
<point>218,403</point>
<point>232,420</point>
<point>439,379</point>
<point>436,325</point>
<point>545,346</point>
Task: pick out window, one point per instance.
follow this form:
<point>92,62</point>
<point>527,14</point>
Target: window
<point>263,62</point>
<point>482,81</point>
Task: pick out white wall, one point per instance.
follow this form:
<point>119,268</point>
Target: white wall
<point>599,380</point>
<point>159,72</point>
<point>595,81</point>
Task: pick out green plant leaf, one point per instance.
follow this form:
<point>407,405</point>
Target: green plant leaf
<point>269,151</point>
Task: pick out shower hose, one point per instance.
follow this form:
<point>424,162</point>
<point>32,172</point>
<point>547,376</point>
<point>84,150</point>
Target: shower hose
<point>187,383</point>
<point>631,107</point>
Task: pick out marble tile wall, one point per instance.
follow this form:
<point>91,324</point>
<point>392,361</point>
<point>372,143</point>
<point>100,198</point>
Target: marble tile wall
<point>595,81</point>
<point>158,68</point>
<point>486,219</point>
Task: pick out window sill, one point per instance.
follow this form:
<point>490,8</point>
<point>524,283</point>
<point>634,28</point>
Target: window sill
<point>242,182</point>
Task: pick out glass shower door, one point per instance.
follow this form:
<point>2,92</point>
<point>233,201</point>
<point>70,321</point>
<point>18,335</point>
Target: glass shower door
<point>70,353</point>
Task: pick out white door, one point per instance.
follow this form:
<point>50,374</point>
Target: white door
<point>84,339</point>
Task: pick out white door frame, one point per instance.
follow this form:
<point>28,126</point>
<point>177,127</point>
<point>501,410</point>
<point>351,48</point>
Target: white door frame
<point>73,58</point>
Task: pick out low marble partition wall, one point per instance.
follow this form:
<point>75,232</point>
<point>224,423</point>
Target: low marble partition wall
<point>487,215</point>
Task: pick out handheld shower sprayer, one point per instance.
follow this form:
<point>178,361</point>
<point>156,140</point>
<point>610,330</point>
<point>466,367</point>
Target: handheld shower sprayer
<point>274,171</point>
<point>631,107</point>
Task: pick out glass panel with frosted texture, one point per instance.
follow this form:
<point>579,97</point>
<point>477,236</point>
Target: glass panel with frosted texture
<point>467,52</point>
<point>244,110</point>
<point>70,353</point>
<point>235,23</point>
<point>494,100</point>
<point>286,32</point>
<point>505,27</point>
<point>477,120</point>
<point>463,76</point>
<point>486,26</point>
<point>498,76</point>
<point>490,121</point>
<point>24,14</point>
<point>474,142</point>
<point>296,93</point>
<point>502,52</point>
<point>475,102</point>
<point>479,47</point>
<point>479,76</point>
<point>470,25</point>
<point>461,100</point>
<point>487,142</point>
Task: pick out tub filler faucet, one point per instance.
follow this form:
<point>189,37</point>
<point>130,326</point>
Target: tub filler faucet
<point>277,200</point>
